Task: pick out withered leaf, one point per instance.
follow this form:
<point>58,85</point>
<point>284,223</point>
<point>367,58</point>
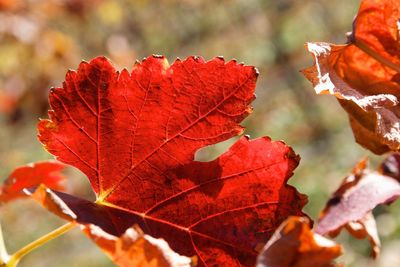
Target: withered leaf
<point>364,75</point>
<point>134,248</point>
<point>351,205</point>
<point>295,245</point>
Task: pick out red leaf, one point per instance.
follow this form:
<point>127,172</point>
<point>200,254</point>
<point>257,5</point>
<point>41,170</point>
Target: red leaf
<point>363,75</point>
<point>352,203</point>
<point>295,245</point>
<point>47,172</point>
<point>120,127</point>
<point>135,135</point>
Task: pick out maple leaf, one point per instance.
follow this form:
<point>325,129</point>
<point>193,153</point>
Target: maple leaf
<point>363,75</point>
<point>47,172</point>
<point>135,134</point>
<point>351,205</point>
<point>295,245</point>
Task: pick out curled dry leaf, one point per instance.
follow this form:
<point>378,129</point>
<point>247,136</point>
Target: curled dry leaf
<point>135,135</point>
<point>364,75</point>
<point>134,248</point>
<point>365,228</point>
<point>352,203</point>
<point>295,245</point>
<point>34,174</point>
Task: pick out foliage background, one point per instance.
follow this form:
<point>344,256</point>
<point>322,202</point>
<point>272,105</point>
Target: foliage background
<point>40,40</point>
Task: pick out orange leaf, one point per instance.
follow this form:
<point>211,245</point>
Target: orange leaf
<point>363,75</point>
<point>366,228</point>
<point>134,248</point>
<point>295,245</point>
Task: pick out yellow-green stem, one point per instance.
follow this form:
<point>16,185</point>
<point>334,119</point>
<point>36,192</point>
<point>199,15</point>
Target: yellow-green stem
<point>3,251</point>
<point>16,257</point>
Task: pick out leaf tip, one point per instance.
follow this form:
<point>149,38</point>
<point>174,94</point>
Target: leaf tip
<point>158,56</point>
<point>256,72</point>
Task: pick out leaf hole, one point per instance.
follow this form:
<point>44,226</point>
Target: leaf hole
<point>211,152</point>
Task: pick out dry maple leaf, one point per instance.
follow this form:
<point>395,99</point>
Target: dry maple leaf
<point>351,205</point>
<point>135,134</point>
<point>47,172</point>
<point>364,74</point>
<point>295,245</point>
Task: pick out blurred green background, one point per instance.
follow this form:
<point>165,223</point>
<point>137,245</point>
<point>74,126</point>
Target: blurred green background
<point>41,40</point>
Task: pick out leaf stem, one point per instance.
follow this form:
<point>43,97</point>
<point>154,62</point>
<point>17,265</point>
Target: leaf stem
<point>3,251</point>
<point>364,47</point>
<point>16,257</point>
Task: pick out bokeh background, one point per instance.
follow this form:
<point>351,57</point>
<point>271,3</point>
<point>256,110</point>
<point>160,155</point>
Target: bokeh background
<point>41,40</point>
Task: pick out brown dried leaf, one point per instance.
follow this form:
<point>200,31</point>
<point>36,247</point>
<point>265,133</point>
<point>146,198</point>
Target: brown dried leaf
<point>134,248</point>
<point>351,205</point>
<point>366,228</point>
<point>364,75</point>
<point>295,245</point>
